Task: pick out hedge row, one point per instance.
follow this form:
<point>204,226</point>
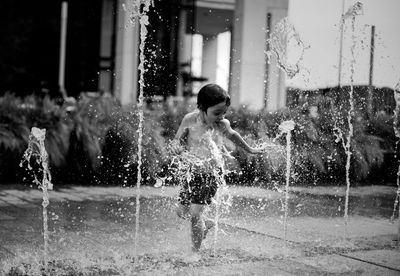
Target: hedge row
<point>94,141</point>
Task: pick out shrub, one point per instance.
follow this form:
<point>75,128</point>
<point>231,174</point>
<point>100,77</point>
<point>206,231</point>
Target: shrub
<point>321,155</point>
<point>17,117</point>
<point>104,142</point>
<point>170,117</point>
<point>94,140</point>
<point>120,151</point>
<point>315,154</point>
<point>90,118</point>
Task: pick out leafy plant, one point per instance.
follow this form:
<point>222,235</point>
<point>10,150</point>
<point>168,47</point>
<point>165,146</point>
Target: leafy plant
<point>14,131</point>
<point>17,117</point>
<point>316,156</point>
<point>94,140</point>
<point>90,119</point>
<point>170,117</point>
<point>120,151</point>
<point>320,151</point>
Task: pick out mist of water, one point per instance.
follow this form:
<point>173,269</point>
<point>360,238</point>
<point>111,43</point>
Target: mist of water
<point>36,151</point>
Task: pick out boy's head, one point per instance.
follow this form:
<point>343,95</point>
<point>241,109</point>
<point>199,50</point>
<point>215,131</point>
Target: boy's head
<point>211,95</point>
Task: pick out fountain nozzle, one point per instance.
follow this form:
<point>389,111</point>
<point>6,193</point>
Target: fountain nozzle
<point>286,126</point>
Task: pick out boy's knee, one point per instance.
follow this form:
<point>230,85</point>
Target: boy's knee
<point>182,212</point>
<point>196,220</point>
<point>195,217</point>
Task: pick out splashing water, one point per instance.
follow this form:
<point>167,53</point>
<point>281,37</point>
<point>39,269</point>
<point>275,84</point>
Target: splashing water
<point>397,133</point>
<point>133,8</point>
<point>223,200</point>
<point>355,10</point>
<point>37,150</point>
<point>186,164</point>
<point>285,128</point>
<point>139,9</point>
<point>284,37</point>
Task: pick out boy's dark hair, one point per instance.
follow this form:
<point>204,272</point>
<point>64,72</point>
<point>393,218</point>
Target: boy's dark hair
<point>210,95</point>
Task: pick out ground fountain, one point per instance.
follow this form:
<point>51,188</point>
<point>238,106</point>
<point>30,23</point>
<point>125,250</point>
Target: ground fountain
<point>352,12</point>
<point>286,127</point>
<point>138,10</point>
<point>36,152</point>
<point>91,228</point>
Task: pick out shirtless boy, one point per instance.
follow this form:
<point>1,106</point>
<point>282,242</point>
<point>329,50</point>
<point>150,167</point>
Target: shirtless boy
<point>208,121</point>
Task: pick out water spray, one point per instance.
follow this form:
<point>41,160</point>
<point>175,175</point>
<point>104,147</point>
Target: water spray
<point>139,9</point>
<point>37,150</point>
<point>284,35</point>
<point>397,134</point>
<point>286,127</point>
<point>356,9</point>
<point>222,197</point>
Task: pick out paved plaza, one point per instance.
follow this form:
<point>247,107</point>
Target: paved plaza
<point>92,232</point>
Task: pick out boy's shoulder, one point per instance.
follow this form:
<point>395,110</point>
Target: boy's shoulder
<point>192,116</point>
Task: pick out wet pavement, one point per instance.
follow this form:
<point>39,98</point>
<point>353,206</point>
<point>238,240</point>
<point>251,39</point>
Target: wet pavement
<point>92,232</point>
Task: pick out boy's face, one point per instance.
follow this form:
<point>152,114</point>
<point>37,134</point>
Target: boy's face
<point>216,113</point>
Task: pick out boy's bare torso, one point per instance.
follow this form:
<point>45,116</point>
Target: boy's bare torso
<point>202,140</point>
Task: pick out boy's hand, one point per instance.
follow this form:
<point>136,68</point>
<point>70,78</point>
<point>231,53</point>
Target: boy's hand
<point>260,150</point>
<point>175,147</point>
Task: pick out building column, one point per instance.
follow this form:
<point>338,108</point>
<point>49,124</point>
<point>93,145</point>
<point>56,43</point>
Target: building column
<point>249,77</point>
<point>126,56</point>
<point>184,50</point>
<point>106,47</point>
<point>209,60</point>
<point>275,89</point>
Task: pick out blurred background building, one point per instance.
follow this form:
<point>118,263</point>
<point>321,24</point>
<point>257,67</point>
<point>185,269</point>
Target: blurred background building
<point>190,42</point>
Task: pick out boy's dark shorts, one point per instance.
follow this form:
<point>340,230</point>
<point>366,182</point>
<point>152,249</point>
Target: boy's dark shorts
<point>200,190</point>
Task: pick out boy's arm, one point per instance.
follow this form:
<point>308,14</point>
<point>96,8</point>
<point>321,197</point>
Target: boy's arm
<point>176,145</point>
<point>183,130</point>
<point>236,138</point>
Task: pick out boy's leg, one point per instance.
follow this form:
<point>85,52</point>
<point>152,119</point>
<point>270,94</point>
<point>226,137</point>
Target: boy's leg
<point>208,224</point>
<point>196,218</point>
<point>183,211</point>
